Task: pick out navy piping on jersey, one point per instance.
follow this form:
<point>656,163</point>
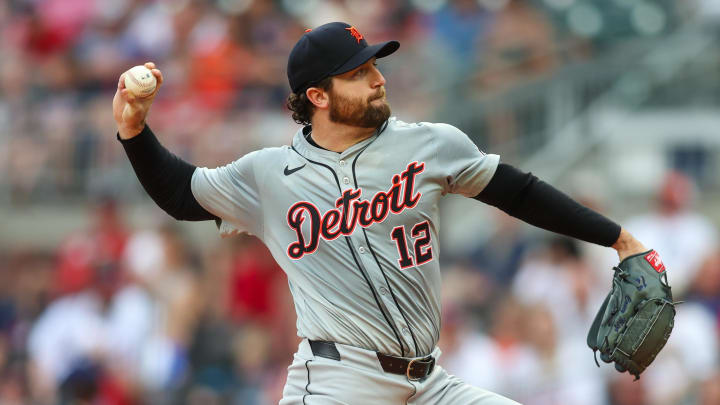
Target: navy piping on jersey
<point>392,293</point>
<point>307,386</point>
<point>352,252</point>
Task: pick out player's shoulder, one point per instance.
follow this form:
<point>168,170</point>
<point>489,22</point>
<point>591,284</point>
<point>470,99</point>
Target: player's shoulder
<point>433,128</point>
<point>274,151</point>
<point>257,160</point>
<point>395,124</point>
<point>435,133</point>
<point>267,154</point>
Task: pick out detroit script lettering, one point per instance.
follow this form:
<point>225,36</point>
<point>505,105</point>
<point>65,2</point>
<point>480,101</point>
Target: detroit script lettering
<point>351,211</point>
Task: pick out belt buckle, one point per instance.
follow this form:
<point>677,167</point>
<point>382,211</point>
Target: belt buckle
<point>431,359</point>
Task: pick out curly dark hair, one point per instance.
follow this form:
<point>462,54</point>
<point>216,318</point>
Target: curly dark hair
<point>301,107</point>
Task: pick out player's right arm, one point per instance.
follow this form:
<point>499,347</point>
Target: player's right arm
<point>165,177</point>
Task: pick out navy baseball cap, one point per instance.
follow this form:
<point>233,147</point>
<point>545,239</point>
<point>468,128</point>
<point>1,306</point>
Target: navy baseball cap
<point>328,50</point>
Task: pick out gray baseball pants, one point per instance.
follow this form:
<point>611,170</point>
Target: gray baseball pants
<point>358,379</point>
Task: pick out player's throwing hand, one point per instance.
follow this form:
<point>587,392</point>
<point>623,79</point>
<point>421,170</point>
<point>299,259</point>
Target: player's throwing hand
<point>130,111</point>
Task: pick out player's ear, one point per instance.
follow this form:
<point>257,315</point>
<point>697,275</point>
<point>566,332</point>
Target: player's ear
<point>319,97</point>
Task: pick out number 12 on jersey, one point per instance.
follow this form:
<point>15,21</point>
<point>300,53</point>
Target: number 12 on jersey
<point>420,234</point>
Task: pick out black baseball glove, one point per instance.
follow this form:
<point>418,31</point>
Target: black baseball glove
<point>637,316</point>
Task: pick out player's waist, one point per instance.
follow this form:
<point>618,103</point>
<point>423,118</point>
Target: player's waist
<point>414,368</point>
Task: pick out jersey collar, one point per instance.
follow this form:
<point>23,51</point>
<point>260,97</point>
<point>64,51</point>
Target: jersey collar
<point>302,145</point>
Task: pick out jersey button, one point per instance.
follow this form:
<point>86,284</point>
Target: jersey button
<point>383,290</point>
<point>361,249</point>
<point>342,163</point>
<point>346,180</point>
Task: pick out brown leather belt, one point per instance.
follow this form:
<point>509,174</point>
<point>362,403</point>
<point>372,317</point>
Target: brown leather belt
<point>413,368</point>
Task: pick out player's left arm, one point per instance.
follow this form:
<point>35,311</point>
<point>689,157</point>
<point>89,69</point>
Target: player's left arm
<point>524,196</point>
<point>633,323</point>
<point>472,173</point>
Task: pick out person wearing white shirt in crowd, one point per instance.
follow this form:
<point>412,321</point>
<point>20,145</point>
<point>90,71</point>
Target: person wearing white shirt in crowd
<point>684,236</point>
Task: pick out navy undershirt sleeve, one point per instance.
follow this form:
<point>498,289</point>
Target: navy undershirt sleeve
<point>164,176</point>
<point>524,196</point>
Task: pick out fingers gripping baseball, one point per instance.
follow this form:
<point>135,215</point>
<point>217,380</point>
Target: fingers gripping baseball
<point>132,104</point>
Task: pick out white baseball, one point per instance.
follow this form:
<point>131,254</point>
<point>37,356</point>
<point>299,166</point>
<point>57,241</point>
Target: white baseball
<point>140,81</point>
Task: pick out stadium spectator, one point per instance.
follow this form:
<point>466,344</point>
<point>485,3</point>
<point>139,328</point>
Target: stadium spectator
<point>506,357</point>
<point>559,377</point>
<point>683,235</point>
<point>560,279</point>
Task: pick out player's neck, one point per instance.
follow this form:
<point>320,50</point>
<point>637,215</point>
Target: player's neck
<point>338,137</point>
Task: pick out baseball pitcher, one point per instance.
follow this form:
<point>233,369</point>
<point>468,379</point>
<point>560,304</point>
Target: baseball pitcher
<point>349,210</point>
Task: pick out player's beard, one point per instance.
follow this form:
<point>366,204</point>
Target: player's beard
<point>358,113</point>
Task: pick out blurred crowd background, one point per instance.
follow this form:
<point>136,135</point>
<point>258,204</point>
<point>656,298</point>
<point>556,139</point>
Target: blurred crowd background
<point>105,300</point>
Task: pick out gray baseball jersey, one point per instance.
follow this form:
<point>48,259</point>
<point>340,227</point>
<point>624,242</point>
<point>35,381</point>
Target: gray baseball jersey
<point>356,232</point>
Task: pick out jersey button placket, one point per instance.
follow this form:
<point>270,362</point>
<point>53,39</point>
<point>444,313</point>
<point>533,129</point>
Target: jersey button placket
<point>371,265</point>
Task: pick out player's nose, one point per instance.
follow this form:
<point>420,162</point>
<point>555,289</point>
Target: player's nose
<point>378,78</point>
